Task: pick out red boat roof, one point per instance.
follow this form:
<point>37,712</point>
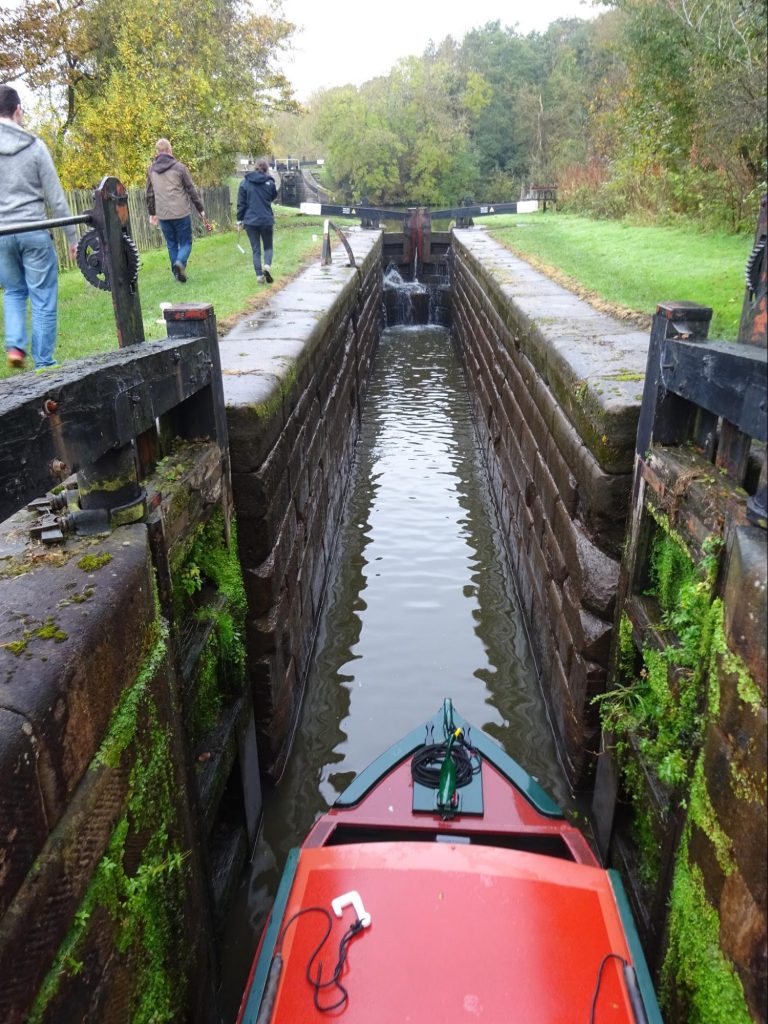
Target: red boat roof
<point>458,933</point>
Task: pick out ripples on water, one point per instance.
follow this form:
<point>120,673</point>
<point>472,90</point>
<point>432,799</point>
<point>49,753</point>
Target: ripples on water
<point>421,607</point>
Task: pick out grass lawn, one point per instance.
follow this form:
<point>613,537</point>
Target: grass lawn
<point>217,272</point>
<point>635,267</point>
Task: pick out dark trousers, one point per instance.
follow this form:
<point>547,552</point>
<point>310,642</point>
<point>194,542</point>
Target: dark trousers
<point>258,237</point>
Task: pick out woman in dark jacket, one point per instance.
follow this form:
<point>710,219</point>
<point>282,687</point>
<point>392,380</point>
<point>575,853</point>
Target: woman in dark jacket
<point>254,212</point>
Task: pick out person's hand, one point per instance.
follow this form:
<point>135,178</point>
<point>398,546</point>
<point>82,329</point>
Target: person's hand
<point>153,220</point>
<point>72,246</point>
<point>238,226</point>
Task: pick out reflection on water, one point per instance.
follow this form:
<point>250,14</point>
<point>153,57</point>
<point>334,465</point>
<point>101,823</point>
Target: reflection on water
<point>421,608</point>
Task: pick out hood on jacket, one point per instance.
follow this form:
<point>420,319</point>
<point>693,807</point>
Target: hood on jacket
<point>14,138</point>
<point>163,162</point>
<point>257,177</point>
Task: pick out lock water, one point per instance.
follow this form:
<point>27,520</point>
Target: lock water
<point>421,606</point>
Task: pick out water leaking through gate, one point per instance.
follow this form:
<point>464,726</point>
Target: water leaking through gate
<point>421,606</point>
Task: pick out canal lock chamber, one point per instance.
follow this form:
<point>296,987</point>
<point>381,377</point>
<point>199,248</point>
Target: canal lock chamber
<point>453,624</point>
<point>552,389</point>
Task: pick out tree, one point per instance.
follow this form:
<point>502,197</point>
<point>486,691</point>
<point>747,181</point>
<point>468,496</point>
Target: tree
<point>203,74</point>
<point>402,138</point>
<point>689,134</point>
<point>53,46</point>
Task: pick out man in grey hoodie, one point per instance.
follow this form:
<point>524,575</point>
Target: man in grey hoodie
<point>29,268</point>
<point>170,196</point>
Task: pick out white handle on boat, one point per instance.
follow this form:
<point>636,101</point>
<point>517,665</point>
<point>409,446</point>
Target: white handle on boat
<point>354,900</point>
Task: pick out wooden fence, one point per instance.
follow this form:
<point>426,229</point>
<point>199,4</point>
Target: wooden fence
<point>217,202</point>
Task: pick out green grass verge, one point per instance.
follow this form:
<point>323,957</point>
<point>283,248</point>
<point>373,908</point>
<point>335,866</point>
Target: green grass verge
<point>217,272</point>
<point>628,266</point>
<point>636,267</point>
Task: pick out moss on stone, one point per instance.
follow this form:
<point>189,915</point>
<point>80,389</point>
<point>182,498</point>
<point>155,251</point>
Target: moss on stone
<point>663,705</point>
<point>50,631</point>
<point>147,905</point>
<point>90,563</point>
<point>80,598</point>
<point>210,562</point>
<point>661,714</point>
<point>702,813</point>
<point>208,558</point>
<point>207,701</point>
<point>17,647</point>
<point>696,975</point>
<point>122,726</point>
<point>47,631</point>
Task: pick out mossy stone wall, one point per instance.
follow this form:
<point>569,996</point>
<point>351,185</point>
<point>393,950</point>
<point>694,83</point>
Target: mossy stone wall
<point>121,661</point>
<point>295,376</point>
<point>685,721</point>
<point>556,387</point>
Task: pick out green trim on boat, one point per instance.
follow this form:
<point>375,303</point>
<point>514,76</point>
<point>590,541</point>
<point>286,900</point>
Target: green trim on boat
<point>256,993</point>
<point>490,750</point>
<point>644,981</point>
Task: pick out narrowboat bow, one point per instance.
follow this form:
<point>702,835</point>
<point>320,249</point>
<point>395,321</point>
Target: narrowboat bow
<point>444,885</point>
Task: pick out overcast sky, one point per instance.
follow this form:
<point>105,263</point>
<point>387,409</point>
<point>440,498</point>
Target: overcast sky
<point>343,41</point>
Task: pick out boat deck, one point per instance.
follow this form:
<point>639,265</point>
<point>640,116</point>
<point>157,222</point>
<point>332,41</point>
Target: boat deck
<point>458,933</point>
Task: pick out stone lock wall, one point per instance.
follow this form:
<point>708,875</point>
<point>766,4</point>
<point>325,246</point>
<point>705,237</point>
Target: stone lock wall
<point>726,848</point>
<point>556,388</point>
<point>295,376</point>
<point>129,792</point>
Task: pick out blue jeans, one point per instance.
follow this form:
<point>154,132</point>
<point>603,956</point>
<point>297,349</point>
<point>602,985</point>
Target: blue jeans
<point>29,269</point>
<point>178,238</point>
<point>258,237</point>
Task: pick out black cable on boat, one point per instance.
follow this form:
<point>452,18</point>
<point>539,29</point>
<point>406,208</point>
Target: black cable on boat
<point>317,983</point>
<point>630,980</point>
<point>427,763</point>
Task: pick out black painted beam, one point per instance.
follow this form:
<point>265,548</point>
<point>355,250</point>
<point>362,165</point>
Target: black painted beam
<point>56,422</point>
<point>725,378</point>
<point>481,210</point>
<point>365,212</point>
<point>376,213</point>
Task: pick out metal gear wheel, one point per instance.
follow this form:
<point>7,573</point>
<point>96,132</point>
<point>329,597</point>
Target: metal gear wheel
<point>132,255</point>
<point>752,272</point>
<point>90,259</point>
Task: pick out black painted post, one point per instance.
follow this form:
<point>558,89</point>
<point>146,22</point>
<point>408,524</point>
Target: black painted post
<point>753,328</point>
<point>110,216</point>
<point>370,221</point>
<point>666,418</point>
<point>204,413</point>
<point>465,222</point>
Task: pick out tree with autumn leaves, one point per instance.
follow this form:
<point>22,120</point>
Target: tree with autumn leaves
<point>111,78</point>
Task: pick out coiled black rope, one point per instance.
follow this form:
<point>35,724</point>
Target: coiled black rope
<point>316,982</point>
<point>428,760</point>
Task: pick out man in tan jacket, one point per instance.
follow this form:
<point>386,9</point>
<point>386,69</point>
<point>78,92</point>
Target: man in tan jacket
<point>170,196</point>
